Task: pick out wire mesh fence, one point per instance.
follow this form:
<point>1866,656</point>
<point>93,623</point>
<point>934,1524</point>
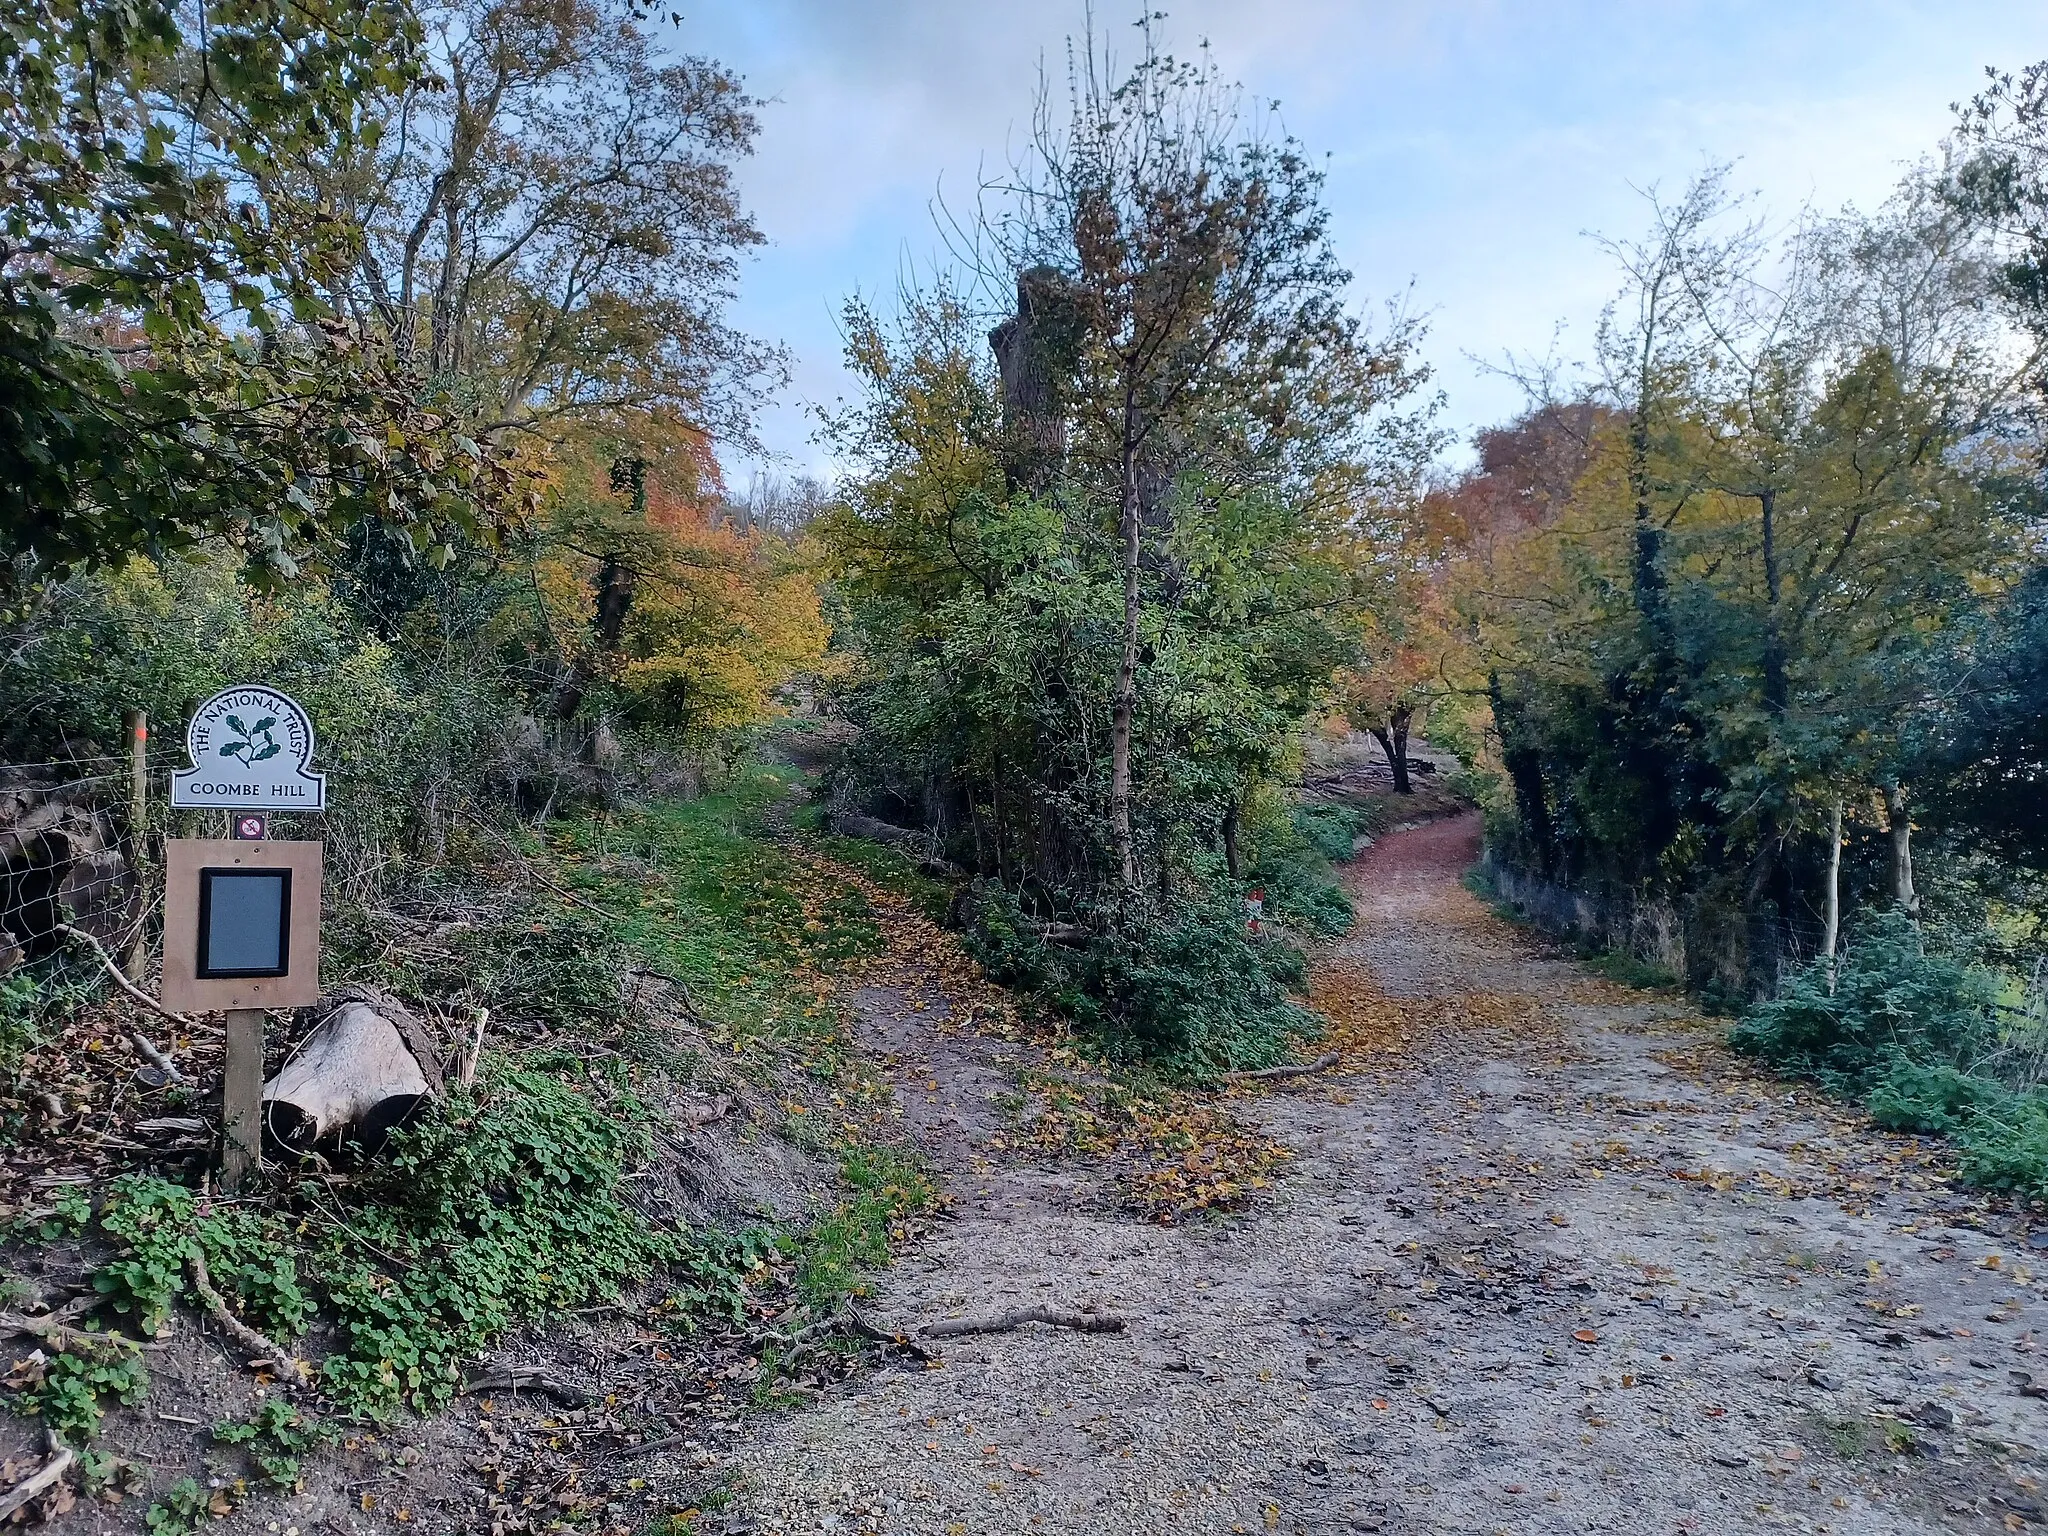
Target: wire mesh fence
<point>71,861</point>
<point>79,839</point>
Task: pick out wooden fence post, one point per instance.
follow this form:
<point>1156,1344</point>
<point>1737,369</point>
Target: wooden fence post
<point>241,1110</point>
<point>136,724</point>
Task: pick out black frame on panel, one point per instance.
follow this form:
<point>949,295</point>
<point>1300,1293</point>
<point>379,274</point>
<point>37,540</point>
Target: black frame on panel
<point>284,923</point>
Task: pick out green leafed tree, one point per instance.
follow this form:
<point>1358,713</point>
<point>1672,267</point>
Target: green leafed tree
<point>1182,334</point>
<point>170,369</point>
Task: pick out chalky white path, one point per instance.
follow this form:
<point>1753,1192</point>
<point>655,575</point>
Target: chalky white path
<point>1540,1284</point>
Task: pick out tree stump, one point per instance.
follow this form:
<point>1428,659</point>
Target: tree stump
<point>363,1071</point>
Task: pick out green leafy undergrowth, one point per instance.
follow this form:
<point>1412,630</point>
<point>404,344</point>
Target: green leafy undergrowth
<point>155,1227</point>
<point>1187,989</point>
<point>1891,997</point>
<point>505,1206</point>
<point>274,1437</point>
<point>703,895</point>
<point>1293,855</point>
<point>1904,1030</point>
<point>718,1275</point>
<point>69,1392</point>
<point>184,1508</point>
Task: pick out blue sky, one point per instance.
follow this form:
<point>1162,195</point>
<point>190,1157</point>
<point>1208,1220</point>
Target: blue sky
<point>1473,144</point>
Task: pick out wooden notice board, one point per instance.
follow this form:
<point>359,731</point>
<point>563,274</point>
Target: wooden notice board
<point>241,924</point>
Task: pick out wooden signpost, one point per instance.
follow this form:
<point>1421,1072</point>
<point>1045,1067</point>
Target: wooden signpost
<point>242,914</point>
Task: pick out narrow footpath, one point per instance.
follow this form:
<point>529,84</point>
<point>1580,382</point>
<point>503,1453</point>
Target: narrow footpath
<point>1546,1259</point>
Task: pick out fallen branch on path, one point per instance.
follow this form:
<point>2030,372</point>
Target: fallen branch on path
<point>39,1482</point>
<point>867,1330</point>
<point>1009,1322</point>
<point>1274,1074</point>
<point>528,1378</point>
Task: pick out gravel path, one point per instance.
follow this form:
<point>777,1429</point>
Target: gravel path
<point>1559,1264</point>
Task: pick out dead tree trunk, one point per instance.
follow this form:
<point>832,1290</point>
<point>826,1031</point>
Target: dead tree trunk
<point>1034,351</point>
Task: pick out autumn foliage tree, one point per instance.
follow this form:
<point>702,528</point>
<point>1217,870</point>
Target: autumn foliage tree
<point>685,623</point>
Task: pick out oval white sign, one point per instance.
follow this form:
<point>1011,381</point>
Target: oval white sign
<point>251,749</point>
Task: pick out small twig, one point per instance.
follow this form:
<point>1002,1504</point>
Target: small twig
<point>1274,1074</point>
<point>256,1344</point>
<point>40,1482</point>
<point>689,1002</point>
<point>134,992</point>
<point>1006,1322</point>
<point>649,1447</point>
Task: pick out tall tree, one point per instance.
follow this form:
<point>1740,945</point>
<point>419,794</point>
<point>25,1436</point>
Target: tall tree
<point>550,228</point>
<point>1212,343</point>
<point>1825,476</point>
<point>169,368</point>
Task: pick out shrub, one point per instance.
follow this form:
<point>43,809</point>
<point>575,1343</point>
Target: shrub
<point>1892,998</point>
<point>1930,1101</point>
<point>504,1205</point>
<point>1293,866</point>
<point>2005,1145</point>
<point>1902,1030</point>
<point>1186,987</point>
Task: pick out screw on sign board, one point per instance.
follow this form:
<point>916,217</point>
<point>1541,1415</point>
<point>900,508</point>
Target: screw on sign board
<point>251,749</point>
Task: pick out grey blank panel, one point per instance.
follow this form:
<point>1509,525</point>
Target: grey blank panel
<point>242,929</point>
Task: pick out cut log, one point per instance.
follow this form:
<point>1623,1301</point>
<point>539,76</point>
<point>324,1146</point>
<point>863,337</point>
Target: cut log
<point>37,1484</point>
<point>362,1072</point>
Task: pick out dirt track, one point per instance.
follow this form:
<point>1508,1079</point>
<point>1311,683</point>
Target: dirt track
<point>1553,1263</point>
